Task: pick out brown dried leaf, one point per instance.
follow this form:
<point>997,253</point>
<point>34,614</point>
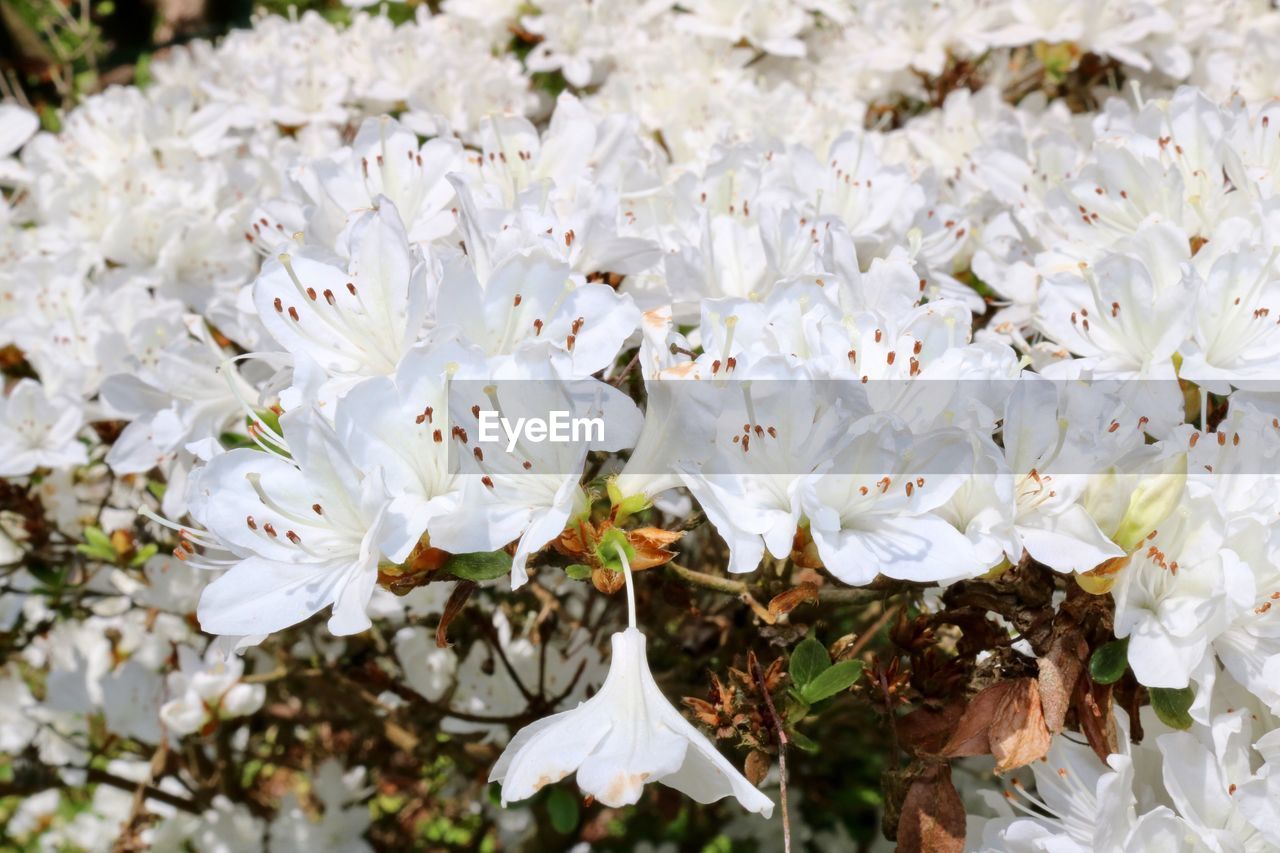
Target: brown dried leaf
<point>804,553</point>
<point>932,819</point>
<point>757,767</point>
<point>1093,713</point>
<point>650,544</point>
<point>457,600</point>
<point>785,602</point>
<point>703,710</point>
<point>1059,670</point>
<point>573,541</point>
<point>607,580</point>
<point>1018,732</point>
<point>926,730</point>
<point>972,734</point>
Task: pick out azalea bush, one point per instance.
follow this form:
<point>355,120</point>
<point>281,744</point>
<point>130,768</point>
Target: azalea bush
<point>702,426</point>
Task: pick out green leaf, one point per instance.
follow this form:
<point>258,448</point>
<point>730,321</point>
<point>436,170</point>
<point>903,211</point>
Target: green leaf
<point>146,552</point>
<point>563,810</point>
<point>1108,662</point>
<point>805,743</point>
<point>808,661</point>
<point>50,578</point>
<point>796,707</point>
<point>97,545</point>
<point>836,678</point>
<point>1172,705</point>
<point>483,566</point>
<point>98,539</point>
<point>578,572</point>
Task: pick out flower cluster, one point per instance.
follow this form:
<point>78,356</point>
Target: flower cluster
<point>916,298</point>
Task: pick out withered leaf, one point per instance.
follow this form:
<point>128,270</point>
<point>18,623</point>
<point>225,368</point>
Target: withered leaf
<point>457,600</point>
<point>1005,720</point>
<point>932,819</point>
<point>607,580</point>
<point>1093,713</point>
<point>703,710</point>
<point>1018,732</point>
<point>650,544</point>
<point>757,767</point>
<point>1059,670</point>
<point>785,602</point>
<point>926,730</point>
<point>973,733</point>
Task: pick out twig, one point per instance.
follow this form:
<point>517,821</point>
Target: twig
<point>780,734</point>
<point>702,579</point>
<point>870,633</point>
<point>102,777</point>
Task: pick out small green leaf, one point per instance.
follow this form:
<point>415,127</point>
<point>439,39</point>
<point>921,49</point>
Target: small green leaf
<point>483,566</point>
<point>578,572</point>
<point>797,708</point>
<point>1109,662</point>
<point>1172,705</point>
<point>146,552</point>
<point>98,539</point>
<point>808,660</point>
<point>97,546</point>
<point>805,743</point>
<point>50,578</point>
<point>836,678</point>
<point>562,807</point>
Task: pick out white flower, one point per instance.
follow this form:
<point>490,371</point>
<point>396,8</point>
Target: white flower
<point>402,426</point>
<point>208,689</point>
<point>17,125</point>
<point>346,320</point>
<point>301,533</point>
<point>626,735</point>
<point>1130,312</point>
<point>872,513</point>
<point>37,431</point>
<point>1177,593</point>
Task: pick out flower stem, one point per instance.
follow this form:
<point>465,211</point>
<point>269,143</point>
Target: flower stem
<point>631,592</point>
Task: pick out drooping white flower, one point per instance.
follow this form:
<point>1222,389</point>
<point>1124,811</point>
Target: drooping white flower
<point>624,736</point>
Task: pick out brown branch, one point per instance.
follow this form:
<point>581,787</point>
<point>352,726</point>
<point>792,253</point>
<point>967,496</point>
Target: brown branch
<point>781,735</point>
